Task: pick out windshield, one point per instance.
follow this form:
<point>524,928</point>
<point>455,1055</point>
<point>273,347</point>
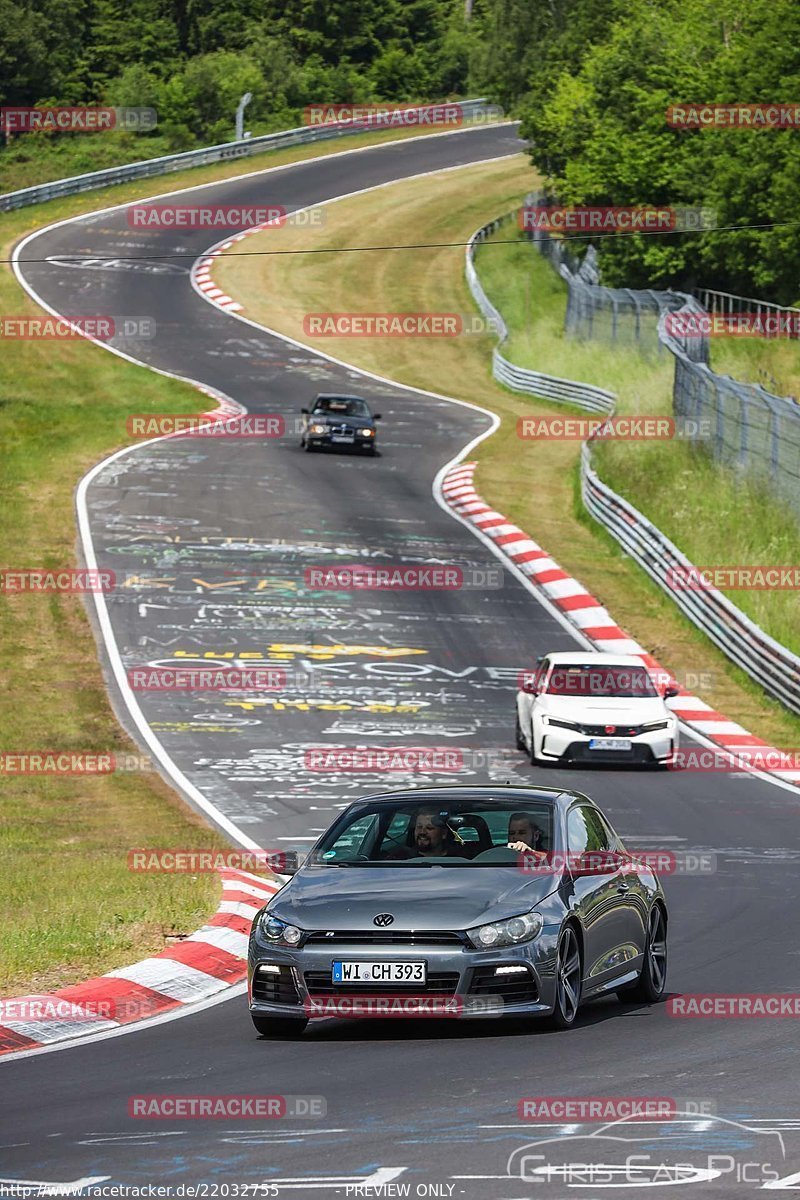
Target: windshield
<point>437,832</point>
<point>587,680</point>
<point>344,406</point>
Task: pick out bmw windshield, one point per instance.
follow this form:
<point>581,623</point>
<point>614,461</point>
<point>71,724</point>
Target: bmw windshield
<point>436,833</point>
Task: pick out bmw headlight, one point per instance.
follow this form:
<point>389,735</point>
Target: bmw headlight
<point>367,432</point>
<point>317,428</point>
<point>506,933</point>
<point>278,932</point>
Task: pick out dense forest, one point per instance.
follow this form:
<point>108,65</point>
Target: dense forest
<point>591,80</point>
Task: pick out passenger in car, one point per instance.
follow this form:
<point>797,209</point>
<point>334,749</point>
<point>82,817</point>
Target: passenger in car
<point>524,834</point>
<point>432,836</point>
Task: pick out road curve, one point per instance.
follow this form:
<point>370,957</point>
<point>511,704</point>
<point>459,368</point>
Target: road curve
<point>412,1103</point>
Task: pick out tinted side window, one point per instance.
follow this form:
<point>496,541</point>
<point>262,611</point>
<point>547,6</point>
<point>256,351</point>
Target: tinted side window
<point>586,830</point>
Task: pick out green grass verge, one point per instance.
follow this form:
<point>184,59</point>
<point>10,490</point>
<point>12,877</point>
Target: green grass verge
<point>69,907</point>
<point>772,362</point>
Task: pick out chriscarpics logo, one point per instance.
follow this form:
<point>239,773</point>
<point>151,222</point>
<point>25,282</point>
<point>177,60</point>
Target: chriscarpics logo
<point>646,1150</point>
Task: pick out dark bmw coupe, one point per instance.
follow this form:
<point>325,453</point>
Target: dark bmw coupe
<point>459,901</point>
<point>340,422</point>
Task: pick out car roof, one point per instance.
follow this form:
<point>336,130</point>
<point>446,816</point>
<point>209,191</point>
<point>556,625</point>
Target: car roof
<point>338,396</point>
<point>579,658</point>
<point>518,795</point>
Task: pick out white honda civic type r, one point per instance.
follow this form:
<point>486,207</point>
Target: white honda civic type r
<point>588,707</point>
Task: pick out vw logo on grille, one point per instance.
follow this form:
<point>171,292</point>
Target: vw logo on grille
<point>383,919</point>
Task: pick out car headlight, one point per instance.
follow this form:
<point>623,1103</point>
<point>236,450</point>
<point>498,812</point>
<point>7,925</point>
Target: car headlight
<point>506,933</point>
<point>278,932</point>
<point>367,432</point>
<point>560,724</point>
<point>651,725</point>
<point>317,428</point>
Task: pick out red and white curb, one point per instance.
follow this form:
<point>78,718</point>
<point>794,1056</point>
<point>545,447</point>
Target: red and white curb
<point>207,962</point>
<point>201,271</point>
<point>585,612</point>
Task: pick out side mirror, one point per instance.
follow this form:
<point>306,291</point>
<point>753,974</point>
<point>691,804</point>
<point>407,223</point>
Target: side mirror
<point>304,410</point>
<point>527,683</point>
<point>671,690</point>
<point>293,861</point>
<point>376,416</point>
<point>595,862</point>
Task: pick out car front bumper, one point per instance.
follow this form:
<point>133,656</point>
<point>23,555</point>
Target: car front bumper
<point>358,441</point>
<point>460,981</point>
<point>570,745</point>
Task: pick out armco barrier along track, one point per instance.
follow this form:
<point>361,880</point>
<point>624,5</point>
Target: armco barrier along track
<point>766,661</point>
<point>224,152</point>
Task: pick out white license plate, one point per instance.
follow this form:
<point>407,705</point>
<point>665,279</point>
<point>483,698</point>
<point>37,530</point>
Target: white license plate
<point>378,972</point>
<point>343,437</point>
<point>610,744</point>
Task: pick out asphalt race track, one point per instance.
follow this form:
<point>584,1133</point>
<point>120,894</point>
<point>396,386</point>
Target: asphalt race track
<point>414,1103</point>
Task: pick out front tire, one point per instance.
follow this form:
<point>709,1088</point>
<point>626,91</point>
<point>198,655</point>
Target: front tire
<point>651,984</point>
<point>278,1027</point>
<point>569,980</point>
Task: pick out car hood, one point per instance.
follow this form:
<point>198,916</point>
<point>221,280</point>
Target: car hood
<point>605,710</point>
<point>419,898</point>
<point>330,419</point>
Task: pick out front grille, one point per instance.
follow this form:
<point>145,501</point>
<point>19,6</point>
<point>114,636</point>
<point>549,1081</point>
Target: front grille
<point>512,989</point>
<point>619,730</point>
<point>383,937</point>
<point>272,988</point>
<point>439,983</point>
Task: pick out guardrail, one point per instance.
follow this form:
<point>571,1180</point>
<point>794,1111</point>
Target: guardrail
<point>522,379</point>
<point>772,665</point>
<point>726,304</point>
<point>223,152</point>
<point>766,661</point>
